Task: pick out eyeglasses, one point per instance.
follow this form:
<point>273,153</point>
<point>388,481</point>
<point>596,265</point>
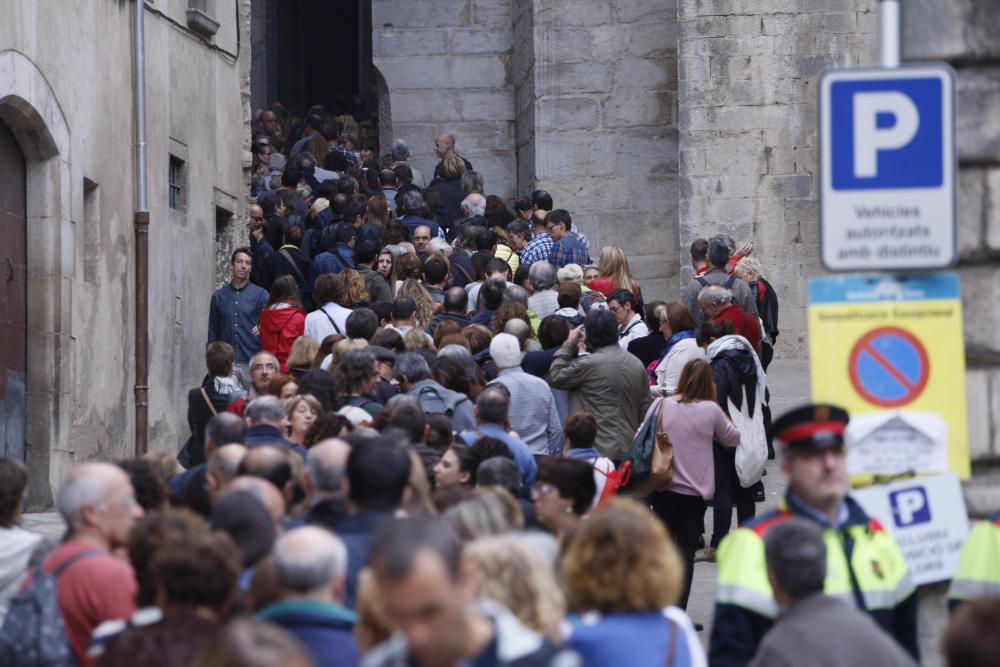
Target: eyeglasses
<point>544,488</point>
<point>256,217</point>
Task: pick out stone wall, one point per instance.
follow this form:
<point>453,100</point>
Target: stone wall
<point>605,137</point>
<point>748,130</point>
<point>578,98</point>
<point>446,64</point>
<point>963,32</point>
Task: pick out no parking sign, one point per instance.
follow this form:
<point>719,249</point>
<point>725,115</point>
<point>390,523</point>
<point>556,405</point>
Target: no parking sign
<point>879,344</point>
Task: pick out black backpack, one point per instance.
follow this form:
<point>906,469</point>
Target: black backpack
<point>33,634</point>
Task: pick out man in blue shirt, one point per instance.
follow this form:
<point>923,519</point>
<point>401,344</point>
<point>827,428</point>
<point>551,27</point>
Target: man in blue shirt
<point>492,406</point>
<point>235,309</point>
<point>567,249</point>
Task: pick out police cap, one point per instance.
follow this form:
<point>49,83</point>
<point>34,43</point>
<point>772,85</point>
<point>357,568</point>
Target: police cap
<point>812,426</point>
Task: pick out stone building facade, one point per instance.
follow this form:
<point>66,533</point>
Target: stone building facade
<point>659,121</point>
<point>66,98</point>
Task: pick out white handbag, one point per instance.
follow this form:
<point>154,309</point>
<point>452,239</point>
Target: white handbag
<point>751,453</point>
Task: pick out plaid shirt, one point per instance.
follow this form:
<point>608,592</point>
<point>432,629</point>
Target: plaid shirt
<point>568,250</point>
<point>538,249</point>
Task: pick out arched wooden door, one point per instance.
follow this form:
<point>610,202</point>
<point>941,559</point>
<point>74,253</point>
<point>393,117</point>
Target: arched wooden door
<point>13,296</point>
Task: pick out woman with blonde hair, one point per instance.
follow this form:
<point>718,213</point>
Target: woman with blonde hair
<point>491,510</point>
<point>301,356</point>
<point>615,273</point>
<point>378,211</point>
<point>301,412</point>
<point>417,494</point>
<point>505,570</point>
<point>622,574</point>
<point>353,291</point>
<point>426,305</point>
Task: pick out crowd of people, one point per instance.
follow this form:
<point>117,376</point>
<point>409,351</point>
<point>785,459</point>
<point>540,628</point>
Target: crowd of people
<point>414,441</point>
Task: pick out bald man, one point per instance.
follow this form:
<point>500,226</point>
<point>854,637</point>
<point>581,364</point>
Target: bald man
<point>326,464</point>
<point>263,491</point>
<point>97,502</point>
<point>310,566</point>
<point>222,468</point>
<point>444,145</point>
<point>272,463</point>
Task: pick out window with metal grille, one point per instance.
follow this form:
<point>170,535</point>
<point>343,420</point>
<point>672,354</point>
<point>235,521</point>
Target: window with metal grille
<point>175,183</point>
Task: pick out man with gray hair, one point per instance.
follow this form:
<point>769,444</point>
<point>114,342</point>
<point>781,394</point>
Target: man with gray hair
<point>492,413</point>
<point>717,274</point>
<point>97,502</point>
<point>717,304</point>
<point>400,152</point>
<point>544,301</point>
<point>812,628</point>
<point>310,566</point>
<point>414,377</point>
<point>266,418</point>
<point>324,481</point>
<point>222,468</point>
<point>533,413</point>
<point>473,205</point>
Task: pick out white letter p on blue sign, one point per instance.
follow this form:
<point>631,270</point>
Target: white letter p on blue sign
<point>869,138</point>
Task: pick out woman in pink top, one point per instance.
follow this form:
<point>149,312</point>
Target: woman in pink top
<point>691,418</point>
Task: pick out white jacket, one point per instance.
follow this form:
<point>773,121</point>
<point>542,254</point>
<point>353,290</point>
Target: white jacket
<point>16,547</point>
<point>668,373</point>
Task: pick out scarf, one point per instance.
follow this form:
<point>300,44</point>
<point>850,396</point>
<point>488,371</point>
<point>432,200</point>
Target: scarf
<point>734,342</point>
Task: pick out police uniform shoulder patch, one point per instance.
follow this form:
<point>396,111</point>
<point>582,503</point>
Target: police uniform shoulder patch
<point>875,526</point>
<point>764,523</point>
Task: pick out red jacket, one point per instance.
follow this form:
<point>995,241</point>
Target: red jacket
<point>744,324</point>
<point>279,327</point>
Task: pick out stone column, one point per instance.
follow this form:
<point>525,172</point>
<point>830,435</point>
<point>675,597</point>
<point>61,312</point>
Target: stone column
<point>749,71</point>
<point>963,32</point>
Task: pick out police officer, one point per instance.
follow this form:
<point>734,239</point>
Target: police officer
<point>864,563</point>
<point>978,573</point>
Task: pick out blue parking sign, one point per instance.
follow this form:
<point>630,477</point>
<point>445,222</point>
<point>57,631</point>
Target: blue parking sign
<point>887,168</point>
<point>888,134</point>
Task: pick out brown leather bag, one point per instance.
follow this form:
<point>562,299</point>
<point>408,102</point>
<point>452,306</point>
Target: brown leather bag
<point>661,466</point>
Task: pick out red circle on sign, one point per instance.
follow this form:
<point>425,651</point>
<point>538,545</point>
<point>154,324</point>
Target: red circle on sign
<point>912,388</point>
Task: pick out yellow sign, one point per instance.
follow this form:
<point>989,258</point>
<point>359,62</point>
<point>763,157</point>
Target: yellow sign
<point>880,344</point>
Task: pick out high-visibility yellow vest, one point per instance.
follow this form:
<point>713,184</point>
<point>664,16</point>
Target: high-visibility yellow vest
<point>876,565</point>
<point>978,573</point>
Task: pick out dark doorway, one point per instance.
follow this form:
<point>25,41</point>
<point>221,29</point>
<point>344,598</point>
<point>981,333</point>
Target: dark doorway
<point>309,52</point>
<point>13,302</point>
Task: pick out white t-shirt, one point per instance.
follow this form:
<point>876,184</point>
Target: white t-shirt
<point>636,328</point>
<point>319,325</point>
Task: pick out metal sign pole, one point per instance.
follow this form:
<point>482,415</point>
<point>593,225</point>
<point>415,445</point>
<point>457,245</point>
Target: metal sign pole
<point>889,45</point>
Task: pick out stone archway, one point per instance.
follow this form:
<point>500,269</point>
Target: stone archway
<point>29,107</point>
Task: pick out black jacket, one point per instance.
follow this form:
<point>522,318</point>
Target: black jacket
<point>198,415</point>
<point>648,348</point>
<point>277,265</point>
<point>767,306</point>
<point>450,190</point>
<point>733,371</point>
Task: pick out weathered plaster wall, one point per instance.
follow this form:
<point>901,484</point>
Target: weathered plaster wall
<point>749,71</point>
<point>83,407</point>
